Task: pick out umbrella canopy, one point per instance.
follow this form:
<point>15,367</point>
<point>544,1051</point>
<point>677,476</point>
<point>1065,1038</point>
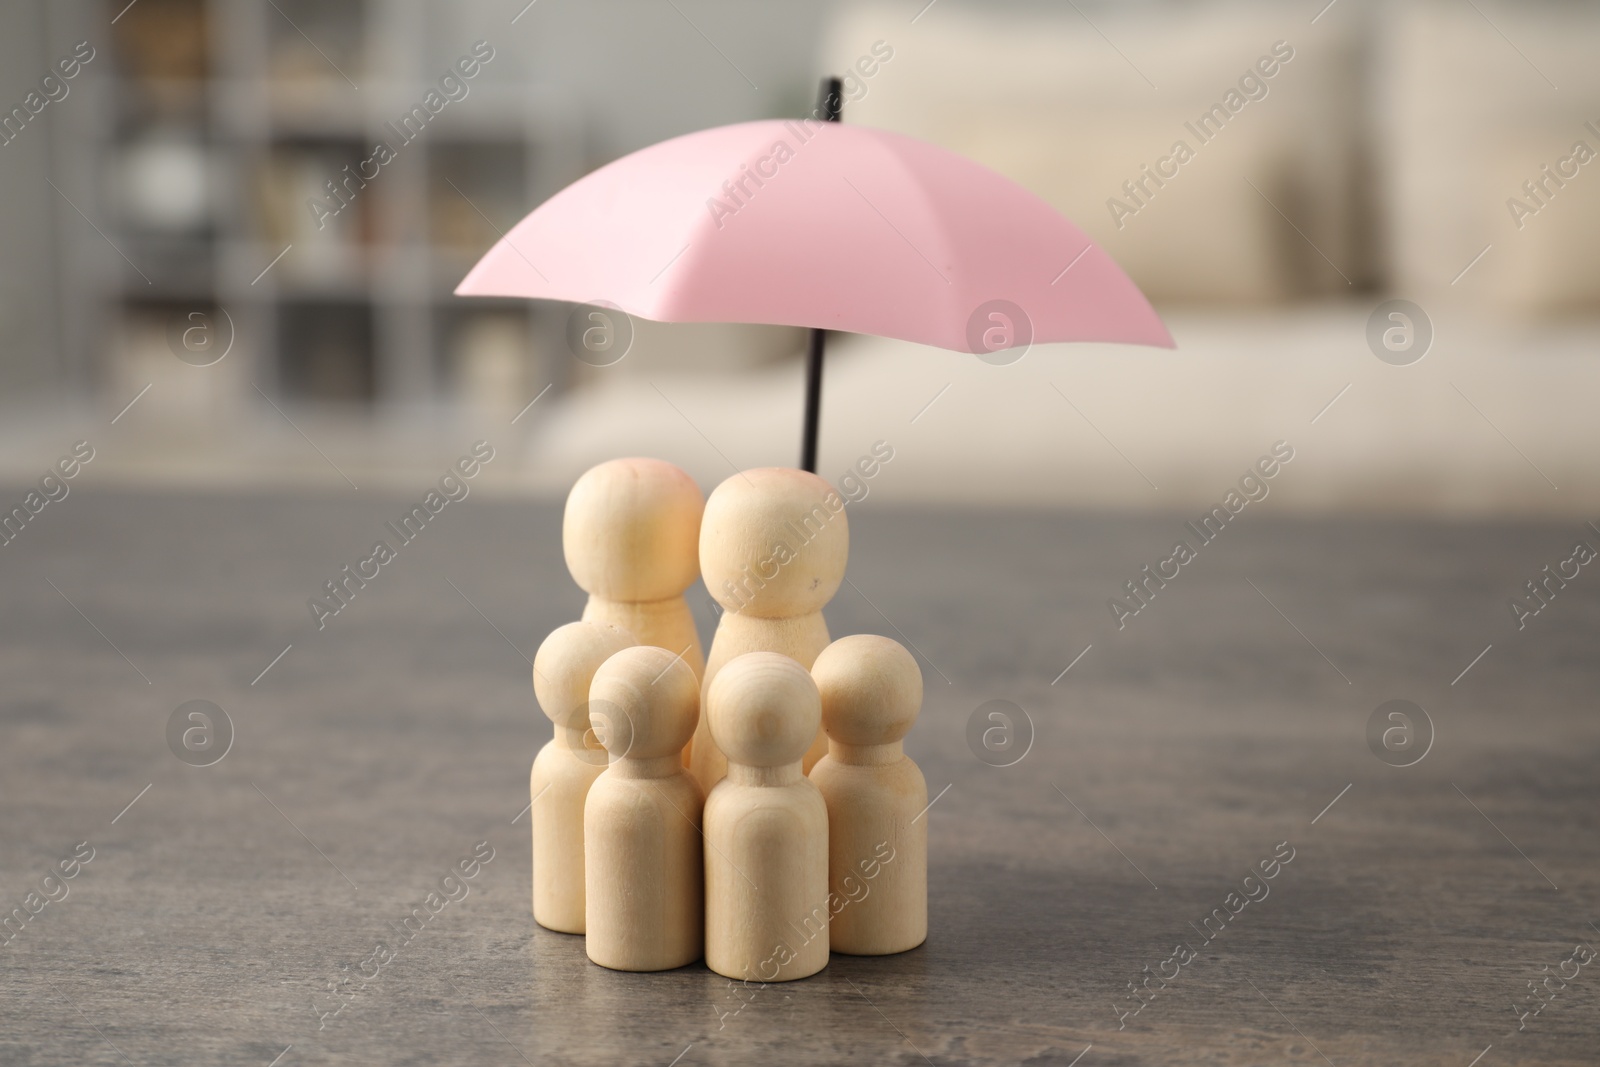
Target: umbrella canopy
<point>821,225</point>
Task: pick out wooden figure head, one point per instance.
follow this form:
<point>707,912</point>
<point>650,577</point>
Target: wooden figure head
<point>644,704</point>
<point>565,665</point>
<point>773,543</point>
<point>871,690</point>
<point>631,528</point>
<point>764,710</point>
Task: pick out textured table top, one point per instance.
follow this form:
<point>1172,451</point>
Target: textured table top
<point>1226,723</point>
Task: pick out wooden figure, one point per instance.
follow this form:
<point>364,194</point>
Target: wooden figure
<point>629,534</point>
<point>643,871</point>
<point>766,825</point>
<point>871,691</point>
<point>773,548</point>
<point>566,766</point>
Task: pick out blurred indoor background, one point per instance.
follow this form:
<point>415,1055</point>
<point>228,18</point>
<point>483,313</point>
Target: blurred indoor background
<point>167,186</point>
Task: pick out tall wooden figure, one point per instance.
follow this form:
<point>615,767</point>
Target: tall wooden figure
<point>643,870</point>
<point>566,767</point>
<point>630,535</point>
<point>766,826</point>
<point>773,548</point>
<point>871,691</point>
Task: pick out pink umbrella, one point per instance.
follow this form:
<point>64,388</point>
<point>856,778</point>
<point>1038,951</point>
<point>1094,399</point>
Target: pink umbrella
<point>816,224</point>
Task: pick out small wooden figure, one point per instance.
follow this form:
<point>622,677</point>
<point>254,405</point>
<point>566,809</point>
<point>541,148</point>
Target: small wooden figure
<point>766,826</point>
<point>629,534</point>
<point>773,548</point>
<point>643,871</point>
<point>566,766</point>
<point>871,690</point>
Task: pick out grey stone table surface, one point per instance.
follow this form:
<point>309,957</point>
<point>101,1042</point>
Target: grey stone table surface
<point>1227,722</point>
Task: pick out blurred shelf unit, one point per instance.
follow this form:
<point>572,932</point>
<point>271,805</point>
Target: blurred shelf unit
<point>218,126</point>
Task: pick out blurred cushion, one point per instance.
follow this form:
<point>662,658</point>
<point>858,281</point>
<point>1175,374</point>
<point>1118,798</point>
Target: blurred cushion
<point>1047,100</point>
<point>1471,116</point>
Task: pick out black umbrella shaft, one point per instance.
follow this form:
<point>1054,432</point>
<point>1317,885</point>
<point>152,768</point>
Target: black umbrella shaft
<point>828,104</point>
<point>808,444</point>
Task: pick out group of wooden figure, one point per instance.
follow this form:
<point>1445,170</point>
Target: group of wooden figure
<point>755,808</point>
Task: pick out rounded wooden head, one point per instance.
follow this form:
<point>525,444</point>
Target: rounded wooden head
<point>774,543</point>
<point>564,667</point>
<point>644,703</point>
<point>631,528</point>
<point>763,709</point>
<point>871,690</point>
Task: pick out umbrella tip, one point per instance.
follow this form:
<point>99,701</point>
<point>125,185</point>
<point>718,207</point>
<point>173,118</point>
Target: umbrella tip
<point>830,99</point>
